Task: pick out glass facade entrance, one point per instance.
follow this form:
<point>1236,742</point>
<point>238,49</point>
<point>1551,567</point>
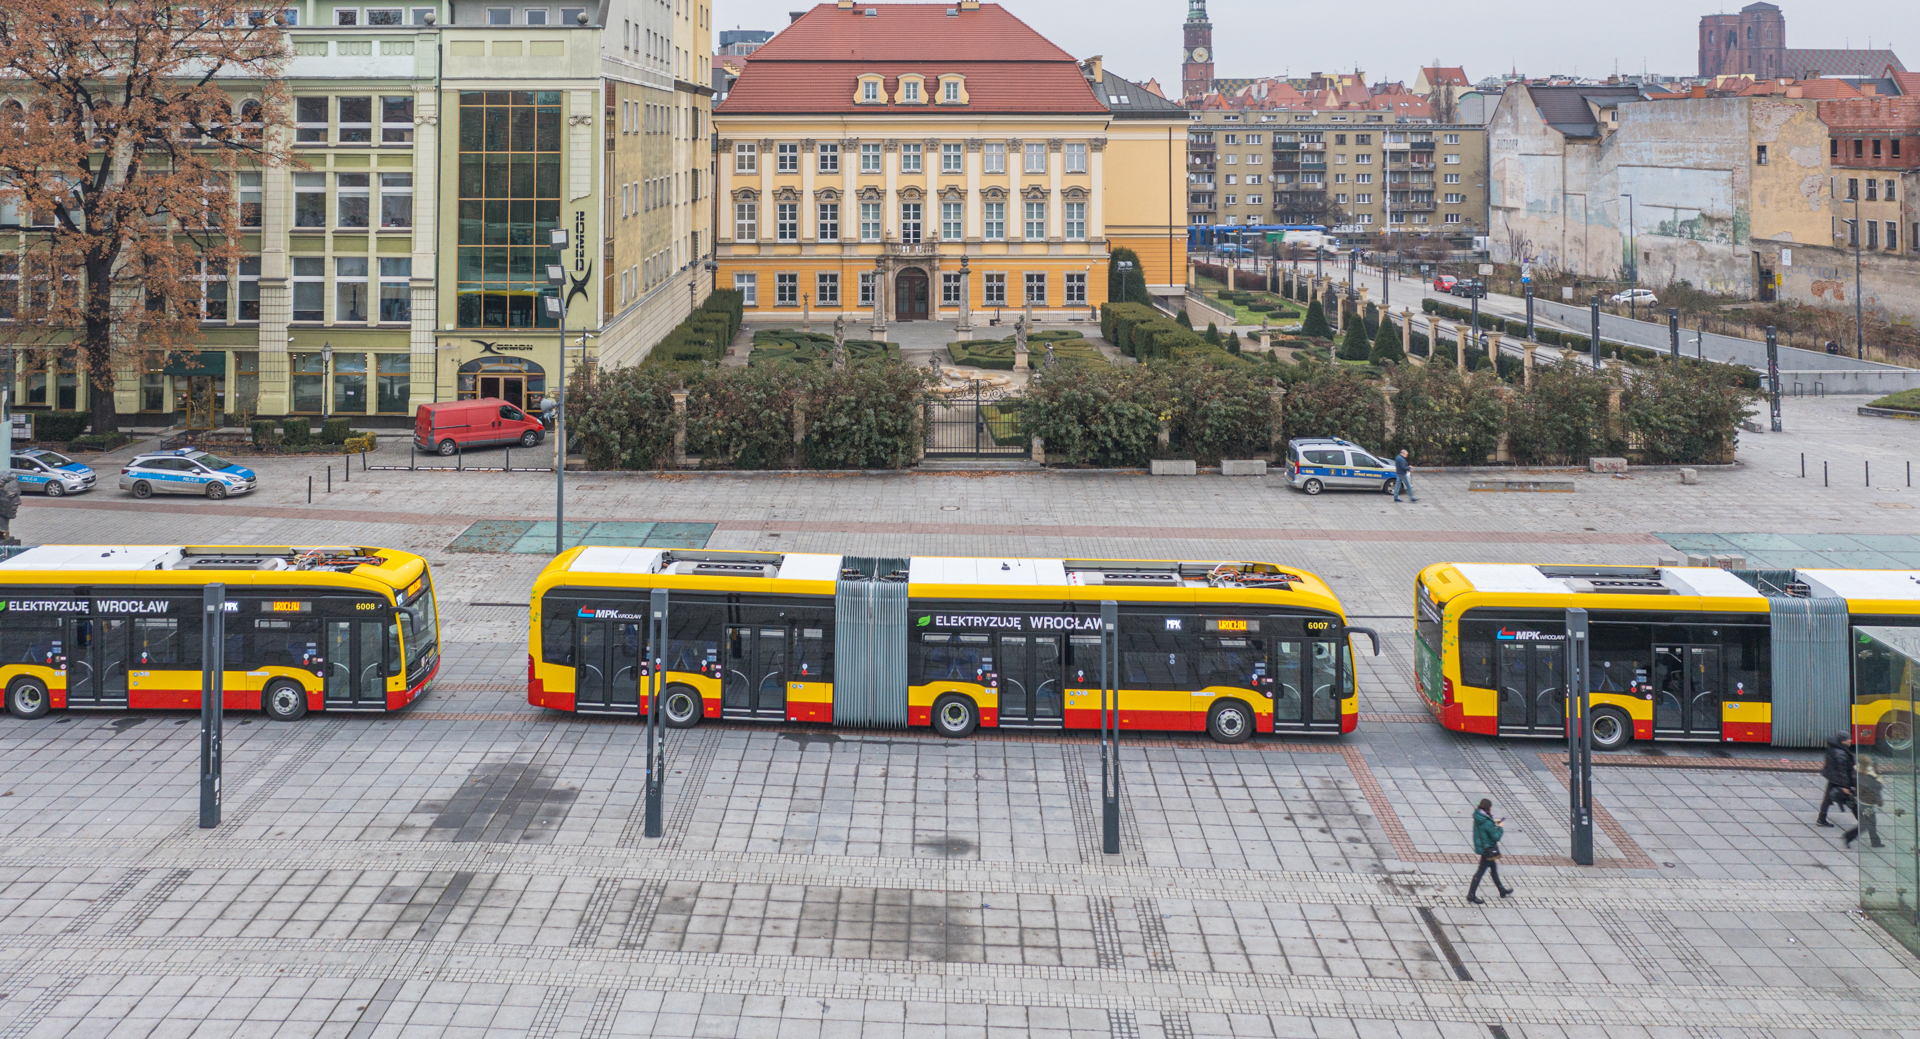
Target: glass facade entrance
<point>1886,682</point>
<point>509,183</point>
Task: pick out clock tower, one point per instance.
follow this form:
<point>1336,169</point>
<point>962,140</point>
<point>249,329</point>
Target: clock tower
<point>1197,73</point>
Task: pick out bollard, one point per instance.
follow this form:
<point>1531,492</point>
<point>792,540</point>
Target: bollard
<point>309,490</point>
<point>1869,471</point>
<point>1803,465</point>
<point>459,458</point>
<point>1909,474</point>
<point>411,463</point>
<point>509,458</point>
<point>1823,475</point>
<point>329,479</point>
<point>346,466</point>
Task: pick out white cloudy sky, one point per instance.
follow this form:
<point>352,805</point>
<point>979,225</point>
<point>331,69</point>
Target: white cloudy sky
<point>1391,39</point>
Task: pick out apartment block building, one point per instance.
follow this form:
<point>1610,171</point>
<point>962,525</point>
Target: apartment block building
<point>1360,172</point>
<point>402,259</point>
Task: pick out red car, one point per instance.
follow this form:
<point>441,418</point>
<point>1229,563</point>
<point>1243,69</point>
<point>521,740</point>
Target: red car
<point>1444,282</point>
<point>452,426</point>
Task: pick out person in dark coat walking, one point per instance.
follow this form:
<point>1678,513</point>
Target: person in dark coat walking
<point>1837,770</point>
<point>1401,467</point>
<point>1486,843</point>
<point>1866,800</point>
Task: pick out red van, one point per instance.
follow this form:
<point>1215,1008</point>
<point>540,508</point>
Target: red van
<point>456,425</point>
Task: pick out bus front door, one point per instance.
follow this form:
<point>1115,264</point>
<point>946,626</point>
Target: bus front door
<point>96,658</point>
<point>607,667</point>
<point>354,665</point>
<point>1030,681</point>
<point>1533,693</point>
<point>1686,692</point>
<point>754,672</point>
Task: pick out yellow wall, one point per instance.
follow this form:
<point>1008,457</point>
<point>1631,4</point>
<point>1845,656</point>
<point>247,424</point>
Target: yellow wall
<point>1146,195</point>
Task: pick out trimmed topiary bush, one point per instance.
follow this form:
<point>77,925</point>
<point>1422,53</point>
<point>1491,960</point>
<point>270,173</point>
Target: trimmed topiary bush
<point>1314,325</point>
<point>336,430</point>
<point>296,430</point>
<point>1386,345</point>
<point>1354,345</point>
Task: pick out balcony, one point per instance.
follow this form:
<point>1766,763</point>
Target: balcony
<point>1200,207</point>
<point>1200,146</point>
<point>1413,207</point>
<point>1319,146</point>
<point>1422,146</point>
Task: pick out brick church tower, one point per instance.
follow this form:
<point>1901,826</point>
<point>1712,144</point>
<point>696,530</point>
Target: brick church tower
<point>1196,75</point>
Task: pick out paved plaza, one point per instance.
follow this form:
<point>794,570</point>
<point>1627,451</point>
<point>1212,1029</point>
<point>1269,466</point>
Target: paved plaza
<point>473,867</point>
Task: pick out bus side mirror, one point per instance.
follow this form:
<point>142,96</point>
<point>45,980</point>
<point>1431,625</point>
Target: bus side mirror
<point>1374,636</point>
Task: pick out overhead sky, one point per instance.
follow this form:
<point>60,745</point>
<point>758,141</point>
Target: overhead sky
<point>1391,39</point>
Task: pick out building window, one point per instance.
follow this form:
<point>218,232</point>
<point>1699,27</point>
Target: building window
<point>309,289</point>
<point>509,205</point>
<point>1450,178</point>
<point>786,158</point>
<point>1362,159</point>
<point>1255,158</point>
<point>1075,215</point>
<point>995,221</point>
<point>786,222</point>
<point>1076,290</point>
<point>1365,198</point>
<point>1853,187</point>
<point>1760,156</point>
<point>396,119</point>
<point>1036,220</point>
<point>349,290</point>
<point>1256,200</point>
<point>1036,158</point>
<point>309,200</point>
<point>356,120</point>
<point>499,16</point>
<point>1037,288</point>
<point>250,288</point>
<point>950,91</point>
<point>950,289</point>
<point>349,383</point>
<point>1888,193</point>
<point>909,222</point>
<point>869,221</point>
<point>910,91</point>
<point>1873,190</point>
<point>950,216</point>
<point>866,288</point>
<point>829,221</point>
<point>1234,160</point>
<point>1873,234</point>
<point>826,289</point>
<point>250,198</point>
<point>910,156</point>
<point>748,286</point>
<point>213,291</point>
<point>746,158</point>
<point>1853,233</point>
<point>350,199</point>
<point>1450,138</point>
<point>993,288</point>
<point>829,158</point>
<point>951,157</point>
<point>870,90</point>
<point>1454,198</point>
<point>870,158</point>
<point>994,158</point>
<point>396,200</point>
<point>1453,218</point>
<point>310,120</point>
<point>1076,158</point>
<point>1340,200</point>
<point>396,294</point>
<point>786,290</point>
<point>309,379</point>
<point>1893,236</point>
<point>393,372</point>
<point>746,221</point>
<point>1451,160</point>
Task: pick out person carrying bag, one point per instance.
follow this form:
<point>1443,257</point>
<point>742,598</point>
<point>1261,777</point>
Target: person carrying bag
<point>1486,843</point>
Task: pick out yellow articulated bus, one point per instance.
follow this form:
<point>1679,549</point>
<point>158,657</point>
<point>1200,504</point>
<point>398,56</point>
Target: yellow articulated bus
<point>307,628</point>
<point>1229,648</point>
<point>1675,653</point>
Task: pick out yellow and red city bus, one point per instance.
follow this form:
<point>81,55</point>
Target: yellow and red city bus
<point>307,628</point>
<point>1676,653</point>
<point>1229,648</point>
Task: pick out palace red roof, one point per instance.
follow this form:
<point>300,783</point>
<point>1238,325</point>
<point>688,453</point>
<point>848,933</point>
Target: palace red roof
<point>813,65</point>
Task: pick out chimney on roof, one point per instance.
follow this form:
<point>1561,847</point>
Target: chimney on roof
<point>846,5</point>
<point>1097,66</point>
<point>794,16</point>
<point>969,5</point>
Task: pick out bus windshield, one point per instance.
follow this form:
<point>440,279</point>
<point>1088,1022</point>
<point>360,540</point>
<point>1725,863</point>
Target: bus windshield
<point>420,625</point>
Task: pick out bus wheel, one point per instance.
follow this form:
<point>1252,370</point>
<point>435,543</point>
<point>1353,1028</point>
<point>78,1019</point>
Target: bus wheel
<point>680,707</point>
<point>1312,487</point>
<point>955,717</point>
<point>27,698</point>
<point>1230,721</point>
<point>284,701</point>
<point>1611,729</point>
<point>142,489</point>
<point>1895,734</point>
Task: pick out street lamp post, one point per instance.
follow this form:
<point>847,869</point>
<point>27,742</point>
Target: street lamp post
<point>1859,313</point>
<point>1633,260</point>
<point>326,381</point>
<point>557,308</point>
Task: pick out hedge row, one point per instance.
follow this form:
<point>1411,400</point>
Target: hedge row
<point>704,335</point>
<point>1144,333</point>
<point>1111,416</point>
<point>867,415</point>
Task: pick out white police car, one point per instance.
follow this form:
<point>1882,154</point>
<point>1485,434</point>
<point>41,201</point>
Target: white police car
<point>1315,464</point>
<point>186,471</point>
<point>50,472</point>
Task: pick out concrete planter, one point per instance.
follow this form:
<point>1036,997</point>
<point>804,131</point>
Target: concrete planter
<point>1175,467</point>
<point>1243,467</point>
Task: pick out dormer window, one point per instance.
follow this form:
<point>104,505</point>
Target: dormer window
<point>910,91</point>
<point>951,93</point>
<point>870,91</point>
<point>953,90</point>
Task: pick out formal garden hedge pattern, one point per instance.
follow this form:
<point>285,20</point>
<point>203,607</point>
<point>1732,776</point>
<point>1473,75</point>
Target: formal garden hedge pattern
<point>789,346</point>
<point>997,354</point>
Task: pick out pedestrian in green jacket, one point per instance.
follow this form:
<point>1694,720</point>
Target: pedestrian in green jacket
<point>1486,843</point>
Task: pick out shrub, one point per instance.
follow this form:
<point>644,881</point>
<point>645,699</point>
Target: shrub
<point>336,430</point>
<point>1334,400</point>
<point>1314,325</point>
<point>1562,418</point>
<point>1091,416</point>
<point>98,441</point>
<point>1386,345</point>
<point>362,442</point>
<point>1354,346</point>
<point>60,425</point>
<point>1212,333</point>
<point>1371,317</point>
<point>790,346</point>
<point>1233,343</point>
<point>1681,413</point>
<point>1183,320</point>
<point>1130,286</point>
<point>265,435</point>
<point>297,432</point>
<point>624,419</point>
<point>997,354</point>
<point>1445,417</point>
<point>865,416</point>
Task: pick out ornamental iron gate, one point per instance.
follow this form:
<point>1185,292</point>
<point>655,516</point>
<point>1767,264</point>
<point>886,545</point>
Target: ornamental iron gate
<point>980,421</point>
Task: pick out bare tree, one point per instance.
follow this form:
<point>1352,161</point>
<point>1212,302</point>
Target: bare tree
<point>122,124</point>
